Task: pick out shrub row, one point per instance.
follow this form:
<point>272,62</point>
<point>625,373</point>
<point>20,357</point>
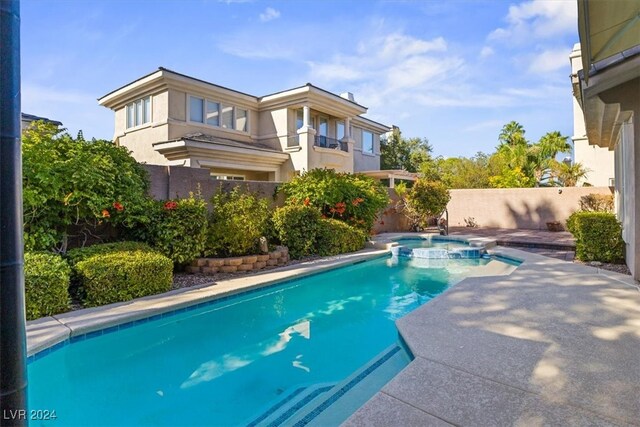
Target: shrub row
<point>46,283</point>
<point>303,230</point>
<point>598,236</point>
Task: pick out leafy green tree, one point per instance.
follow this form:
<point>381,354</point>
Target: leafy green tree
<point>423,201</point>
<point>512,134</point>
<point>463,172</point>
<point>410,154</point>
<point>72,185</point>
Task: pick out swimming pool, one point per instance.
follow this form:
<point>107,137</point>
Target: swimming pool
<point>230,361</point>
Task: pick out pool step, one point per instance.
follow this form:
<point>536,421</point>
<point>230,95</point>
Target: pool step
<point>289,405</point>
<point>342,400</point>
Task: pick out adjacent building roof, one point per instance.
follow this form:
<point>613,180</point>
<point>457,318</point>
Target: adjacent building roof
<point>28,118</point>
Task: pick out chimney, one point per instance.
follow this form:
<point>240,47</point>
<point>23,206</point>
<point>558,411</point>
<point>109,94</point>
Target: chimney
<point>348,95</point>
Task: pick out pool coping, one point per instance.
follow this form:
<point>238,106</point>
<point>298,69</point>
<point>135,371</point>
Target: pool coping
<point>50,333</point>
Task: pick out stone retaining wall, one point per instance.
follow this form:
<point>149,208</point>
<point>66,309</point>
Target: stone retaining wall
<point>240,264</point>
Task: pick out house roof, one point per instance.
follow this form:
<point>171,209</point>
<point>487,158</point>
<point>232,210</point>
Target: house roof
<point>606,30</point>
<point>201,137</point>
<point>155,80</point>
<point>32,118</point>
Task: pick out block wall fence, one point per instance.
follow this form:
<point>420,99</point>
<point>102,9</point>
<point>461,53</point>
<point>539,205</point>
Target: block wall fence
<point>524,208</point>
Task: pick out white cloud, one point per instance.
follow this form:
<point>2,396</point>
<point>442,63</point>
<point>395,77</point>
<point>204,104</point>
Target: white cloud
<point>269,14</point>
<point>486,52</point>
<point>541,19</point>
<point>550,60</point>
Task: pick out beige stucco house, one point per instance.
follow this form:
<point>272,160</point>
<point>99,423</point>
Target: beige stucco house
<point>608,90</point>
<point>597,160</point>
<point>168,118</point>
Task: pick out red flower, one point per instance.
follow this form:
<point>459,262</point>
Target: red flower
<point>105,213</point>
<point>307,202</point>
<point>357,201</point>
<point>381,222</point>
<point>118,206</point>
<point>170,205</point>
<point>341,207</point>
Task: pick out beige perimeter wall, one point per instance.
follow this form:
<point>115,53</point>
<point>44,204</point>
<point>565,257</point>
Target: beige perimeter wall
<point>529,208</point>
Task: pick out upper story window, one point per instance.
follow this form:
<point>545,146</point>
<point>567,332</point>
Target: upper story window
<point>367,142</point>
<point>339,131</point>
<point>139,112</point>
<point>299,118</point>
<point>214,113</point>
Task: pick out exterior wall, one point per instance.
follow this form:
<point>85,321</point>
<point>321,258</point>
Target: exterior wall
<point>597,160</point>
<point>364,161</point>
<point>139,139</point>
<point>181,126</point>
<point>528,208</point>
<point>176,182</point>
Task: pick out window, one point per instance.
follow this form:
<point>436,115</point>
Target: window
<point>195,109</point>
<point>241,119</point>
<point>213,117</point>
<point>226,116</point>
<point>367,142</point>
<point>139,112</point>
<point>299,118</point>
<point>214,113</point>
<point>228,177</point>
<point>323,126</point>
<point>339,131</point>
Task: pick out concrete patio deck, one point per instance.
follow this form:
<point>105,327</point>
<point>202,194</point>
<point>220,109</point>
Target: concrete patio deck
<point>554,343</point>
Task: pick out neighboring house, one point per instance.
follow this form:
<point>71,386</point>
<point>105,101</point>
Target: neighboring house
<point>597,160</point>
<point>168,118</point>
<point>27,119</point>
<point>609,93</point>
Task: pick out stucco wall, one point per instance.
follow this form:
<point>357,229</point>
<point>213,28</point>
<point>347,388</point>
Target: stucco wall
<point>528,208</point>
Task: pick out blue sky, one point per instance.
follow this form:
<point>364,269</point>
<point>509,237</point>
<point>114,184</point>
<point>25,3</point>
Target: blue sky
<point>451,71</point>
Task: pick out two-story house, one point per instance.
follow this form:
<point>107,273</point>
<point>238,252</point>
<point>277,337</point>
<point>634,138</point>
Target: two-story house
<point>168,118</point>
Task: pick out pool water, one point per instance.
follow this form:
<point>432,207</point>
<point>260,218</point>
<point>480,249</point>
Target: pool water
<point>227,362</point>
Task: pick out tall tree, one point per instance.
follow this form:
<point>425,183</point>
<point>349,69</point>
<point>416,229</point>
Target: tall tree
<point>567,175</point>
<point>409,154</point>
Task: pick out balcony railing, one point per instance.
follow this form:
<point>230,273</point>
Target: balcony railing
<point>326,142</point>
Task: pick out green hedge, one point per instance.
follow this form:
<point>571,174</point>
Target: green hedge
<point>123,275</point>
<point>297,228</point>
<point>46,282</point>
<point>238,219</point>
<point>336,237</point>
<point>74,256</point>
<point>598,236</point>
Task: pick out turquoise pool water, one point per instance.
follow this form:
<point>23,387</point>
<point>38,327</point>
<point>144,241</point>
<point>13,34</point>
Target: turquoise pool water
<point>226,363</point>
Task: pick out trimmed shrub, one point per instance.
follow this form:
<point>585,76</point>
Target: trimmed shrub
<point>297,228</point>
<point>74,256</point>
<point>598,236</point>
<point>354,199</point>
<point>46,282</point>
<point>596,203</point>
<point>124,275</point>
<point>179,229</point>
<point>336,237</point>
<point>237,221</point>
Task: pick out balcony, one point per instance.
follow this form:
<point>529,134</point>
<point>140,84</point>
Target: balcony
<point>326,142</point>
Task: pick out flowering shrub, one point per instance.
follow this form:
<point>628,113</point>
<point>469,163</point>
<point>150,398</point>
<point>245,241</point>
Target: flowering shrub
<point>296,226</point>
<point>178,228</point>
<point>73,184</point>
<point>354,199</point>
<point>237,221</point>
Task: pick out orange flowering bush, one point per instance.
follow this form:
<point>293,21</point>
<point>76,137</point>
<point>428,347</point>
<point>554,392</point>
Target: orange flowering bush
<point>351,198</point>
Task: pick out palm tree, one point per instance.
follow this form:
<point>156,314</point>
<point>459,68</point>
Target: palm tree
<point>512,134</point>
<point>541,157</point>
<point>568,175</point>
